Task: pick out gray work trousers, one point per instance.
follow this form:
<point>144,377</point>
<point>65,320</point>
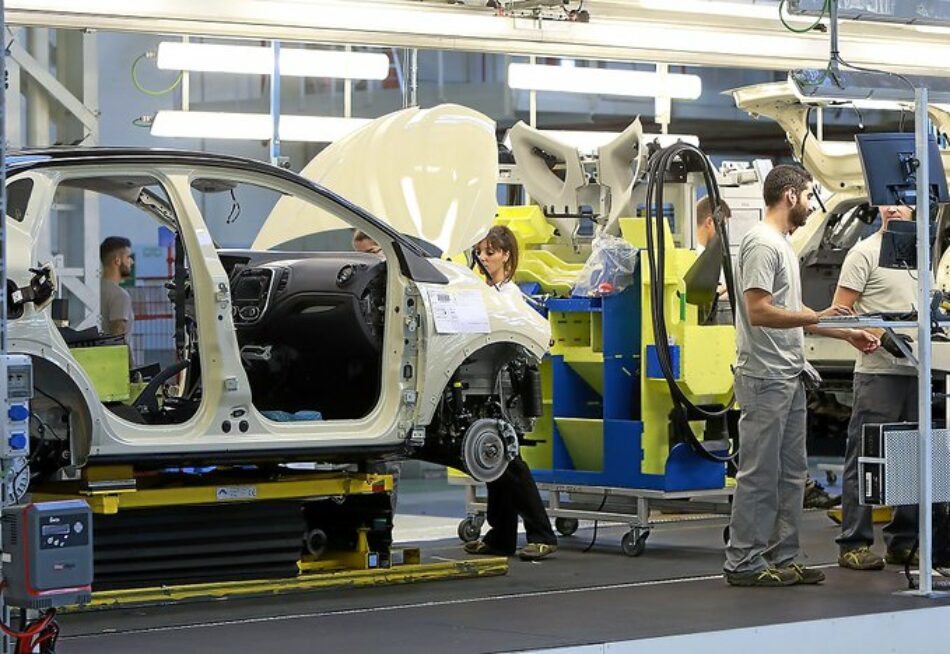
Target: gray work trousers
<point>877,399</point>
<point>770,484</point>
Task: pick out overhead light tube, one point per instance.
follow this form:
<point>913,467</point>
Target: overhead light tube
<point>604,81</point>
<point>252,127</point>
<point>294,62</point>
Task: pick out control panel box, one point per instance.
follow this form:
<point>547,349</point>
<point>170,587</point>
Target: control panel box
<point>16,391</point>
<point>47,554</point>
<point>888,464</point>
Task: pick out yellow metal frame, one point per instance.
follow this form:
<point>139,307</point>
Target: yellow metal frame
<point>401,574</point>
<point>336,569</point>
<point>303,485</point>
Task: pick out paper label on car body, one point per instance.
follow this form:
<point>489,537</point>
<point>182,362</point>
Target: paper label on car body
<point>459,312</point>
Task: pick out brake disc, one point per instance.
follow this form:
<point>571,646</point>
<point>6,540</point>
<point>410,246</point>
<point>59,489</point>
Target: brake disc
<point>487,447</point>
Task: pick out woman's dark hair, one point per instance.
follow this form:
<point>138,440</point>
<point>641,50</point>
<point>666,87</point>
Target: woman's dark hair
<point>501,238</point>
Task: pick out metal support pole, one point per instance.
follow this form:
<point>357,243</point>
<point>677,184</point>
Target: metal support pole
<point>185,84</point>
<point>38,116</point>
<point>532,100</point>
<point>275,106</point>
<point>6,645</point>
<point>348,93</point>
<point>414,77</point>
<point>925,422</point>
<point>663,104</point>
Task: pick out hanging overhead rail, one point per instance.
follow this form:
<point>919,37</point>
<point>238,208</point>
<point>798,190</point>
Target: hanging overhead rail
<point>694,33</point>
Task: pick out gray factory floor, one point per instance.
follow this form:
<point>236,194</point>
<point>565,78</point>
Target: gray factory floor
<point>573,599</point>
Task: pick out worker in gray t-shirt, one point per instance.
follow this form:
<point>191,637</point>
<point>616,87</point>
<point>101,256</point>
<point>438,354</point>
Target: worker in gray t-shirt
<point>115,304</point>
<point>766,510</point>
<point>885,390</point>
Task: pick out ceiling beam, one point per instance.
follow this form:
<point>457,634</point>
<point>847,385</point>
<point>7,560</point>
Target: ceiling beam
<point>626,31</point>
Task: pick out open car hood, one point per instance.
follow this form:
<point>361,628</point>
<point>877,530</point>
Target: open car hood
<point>834,164</point>
<point>429,173</point>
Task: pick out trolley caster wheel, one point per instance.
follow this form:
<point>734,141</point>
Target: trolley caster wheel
<point>470,529</point>
<point>725,535</point>
<point>634,542</point>
<point>565,526</point>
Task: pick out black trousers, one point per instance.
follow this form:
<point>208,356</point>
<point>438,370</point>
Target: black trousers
<point>512,495</point>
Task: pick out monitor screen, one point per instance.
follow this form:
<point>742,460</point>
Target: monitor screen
<point>888,161</point>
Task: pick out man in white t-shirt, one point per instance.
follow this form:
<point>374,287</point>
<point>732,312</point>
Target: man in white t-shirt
<point>885,390</point>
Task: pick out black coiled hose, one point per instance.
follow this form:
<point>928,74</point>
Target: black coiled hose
<point>656,258</point>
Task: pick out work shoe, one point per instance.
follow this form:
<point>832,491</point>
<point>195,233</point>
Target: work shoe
<point>816,497</point>
<point>899,556</point>
<point>803,575</point>
<point>536,551</point>
<point>860,558</point>
<point>767,578</point>
<point>481,547</point>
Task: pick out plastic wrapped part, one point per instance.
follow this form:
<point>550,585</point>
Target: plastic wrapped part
<point>609,269</point>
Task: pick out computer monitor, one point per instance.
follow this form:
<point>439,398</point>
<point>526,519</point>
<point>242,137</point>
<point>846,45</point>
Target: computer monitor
<point>888,161</point>
<point>702,278</point>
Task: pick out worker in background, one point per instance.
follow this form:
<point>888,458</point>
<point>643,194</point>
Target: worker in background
<point>763,547</point>
<point>885,390</point>
<point>362,242</point>
<point>705,226</point>
<point>115,303</point>
<point>705,230</point>
<point>515,493</point>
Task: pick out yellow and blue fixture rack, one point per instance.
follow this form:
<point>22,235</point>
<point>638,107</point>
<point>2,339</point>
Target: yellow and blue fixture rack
<point>607,405</point>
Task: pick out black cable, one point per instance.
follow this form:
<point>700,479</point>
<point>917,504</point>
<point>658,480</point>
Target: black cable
<point>801,150</point>
<point>235,211</point>
<point>656,258</point>
<point>876,71</point>
<point>911,583</point>
<point>781,16</point>
<point>46,426</point>
<point>596,522</point>
<point>857,110</point>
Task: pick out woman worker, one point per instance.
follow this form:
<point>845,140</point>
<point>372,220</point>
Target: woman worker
<point>513,494</point>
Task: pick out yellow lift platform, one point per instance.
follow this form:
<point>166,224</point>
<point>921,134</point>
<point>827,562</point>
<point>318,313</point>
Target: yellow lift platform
<point>116,491</point>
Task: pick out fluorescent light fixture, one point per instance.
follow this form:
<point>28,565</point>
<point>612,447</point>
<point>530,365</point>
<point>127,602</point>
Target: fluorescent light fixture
<point>603,81</point>
<point>252,127</point>
<point>933,29</point>
<point>254,60</point>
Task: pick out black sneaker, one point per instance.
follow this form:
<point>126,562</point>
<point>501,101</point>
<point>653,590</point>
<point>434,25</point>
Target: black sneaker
<point>767,578</point>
